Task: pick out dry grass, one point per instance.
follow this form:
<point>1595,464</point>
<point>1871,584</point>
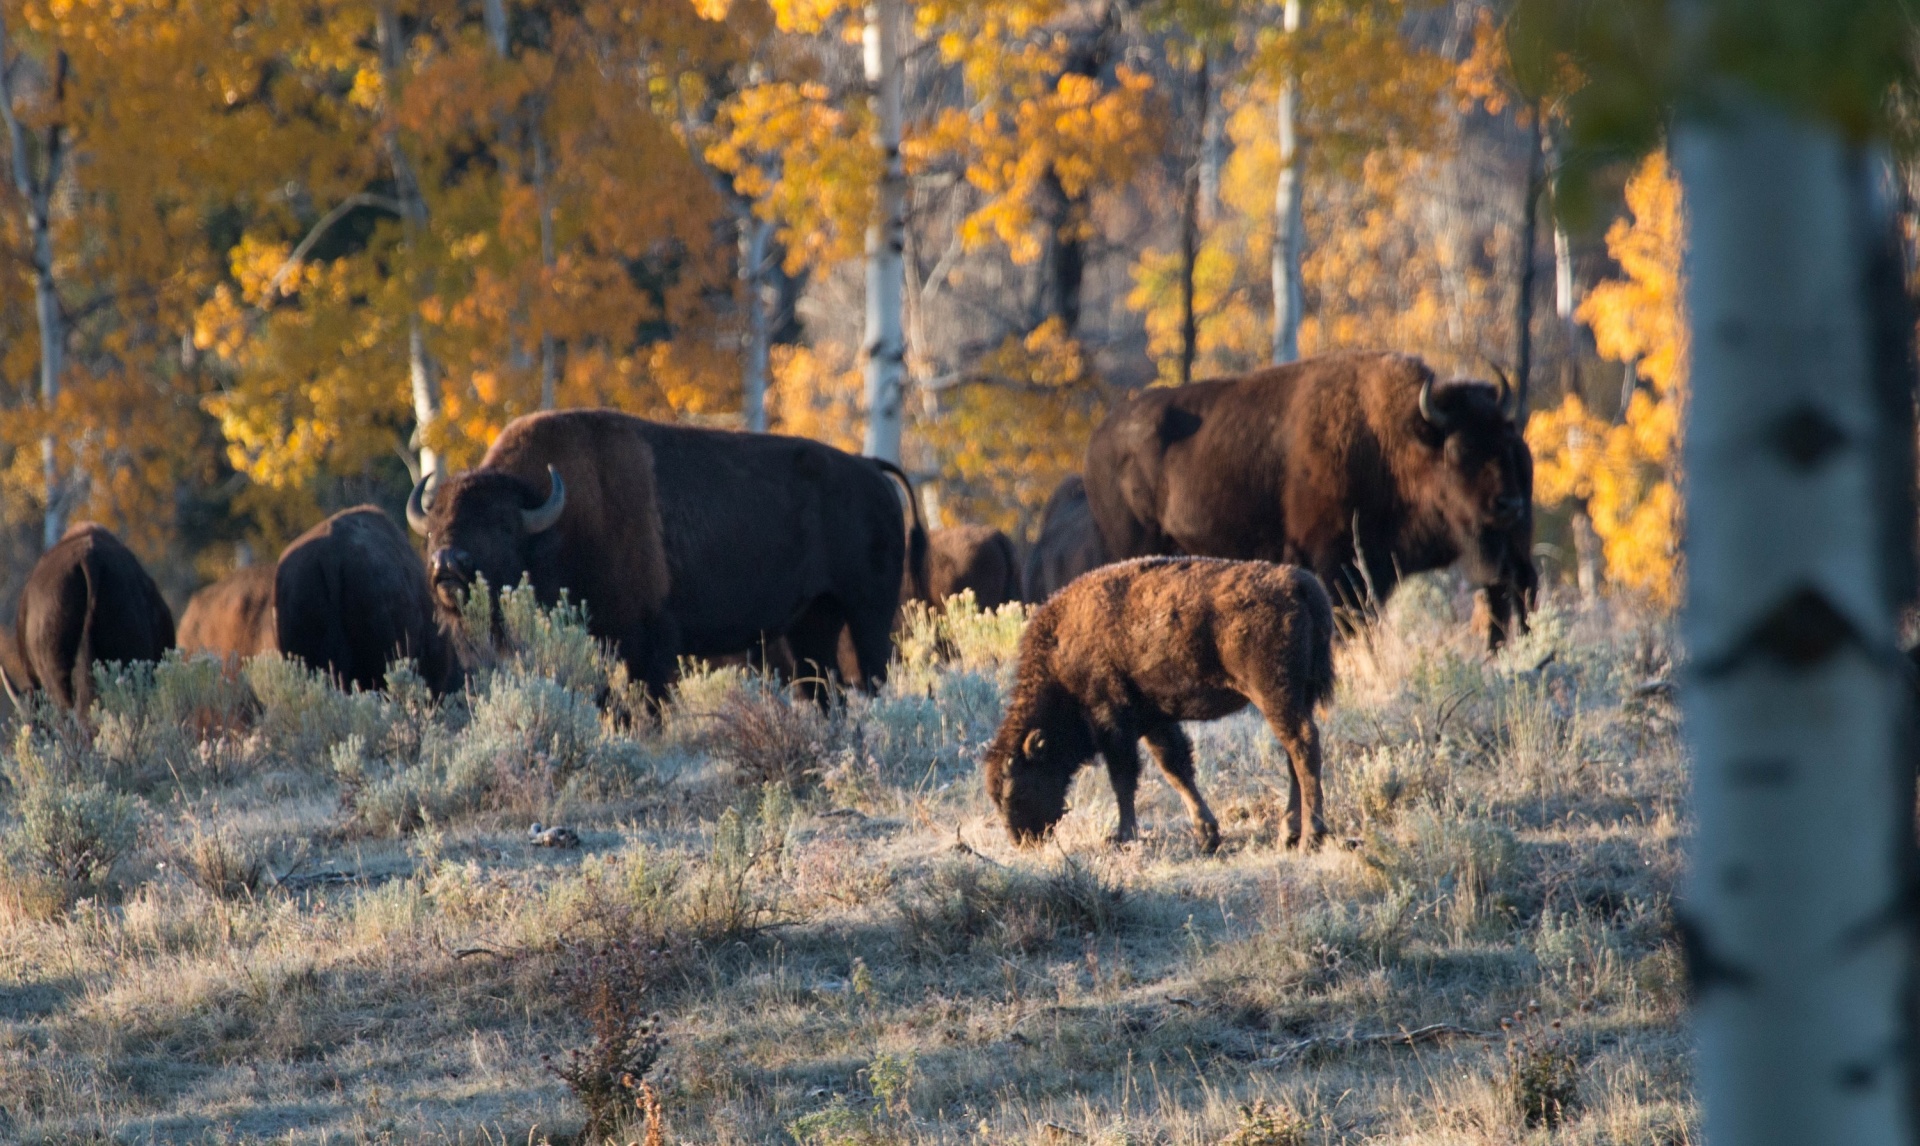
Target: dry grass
<point>308,917</point>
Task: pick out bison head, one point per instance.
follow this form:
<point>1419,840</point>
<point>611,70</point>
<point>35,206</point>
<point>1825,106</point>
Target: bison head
<point>1029,768</point>
<point>482,524</point>
<point>1483,482</point>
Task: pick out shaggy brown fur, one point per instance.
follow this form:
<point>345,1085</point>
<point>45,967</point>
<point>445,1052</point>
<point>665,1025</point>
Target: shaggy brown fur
<point>685,541</point>
<point>88,601</point>
<point>1068,543</point>
<point>975,557</point>
<point>1327,463</point>
<point>1131,650</point>
<point>233,617</point>
<point>350,596</point>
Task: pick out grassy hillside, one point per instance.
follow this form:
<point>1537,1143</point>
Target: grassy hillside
<point>318,918</point>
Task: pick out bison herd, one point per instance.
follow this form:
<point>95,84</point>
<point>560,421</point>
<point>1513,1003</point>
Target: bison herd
<point>1193,568</point>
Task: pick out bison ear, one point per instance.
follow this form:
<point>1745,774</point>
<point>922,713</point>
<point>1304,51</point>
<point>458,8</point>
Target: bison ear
<point>1034,744</point>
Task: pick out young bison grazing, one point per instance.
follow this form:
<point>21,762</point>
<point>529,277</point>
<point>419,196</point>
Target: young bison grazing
<point>1129,651</point>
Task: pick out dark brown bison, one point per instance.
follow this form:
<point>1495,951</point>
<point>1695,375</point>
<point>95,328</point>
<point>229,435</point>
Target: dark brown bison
<point>88,601</point>
<point>1068,543</point>
<point>233,617</point>
<point>350,597</point>
<point>964,557</point>
<point>682,541</point>
<point>1358,466</point>
<point>1129,651</point>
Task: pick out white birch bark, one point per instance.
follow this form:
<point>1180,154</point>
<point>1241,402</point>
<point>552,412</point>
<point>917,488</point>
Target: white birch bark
<point>756,247</point>
<point>886,346</point>
<point>423,372</point>
<point>1289,238</point>
<point>1798,713</point>
<point>36,192</point>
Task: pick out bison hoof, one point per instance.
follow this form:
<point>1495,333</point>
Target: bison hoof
<point>1209,837</point>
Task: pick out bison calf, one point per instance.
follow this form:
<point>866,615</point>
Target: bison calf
<point>1129,651</point>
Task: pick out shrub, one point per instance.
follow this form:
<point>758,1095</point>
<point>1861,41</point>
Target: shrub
<point>1542,1072</point>
<point>603,987</point>
<point>222,868</point>
<point>304,716</point>
<point>766,737</point>
<point>725,897</point>
<point>1263,1124</point>
<point>73,834</point>
<point>1007,909</point>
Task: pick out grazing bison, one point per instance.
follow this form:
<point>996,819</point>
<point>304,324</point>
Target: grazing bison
<point>1358,466</point>
<point>1131,650</point>
<point>682,541</point>
<point>974,557</point>
<point>88,601</point>
<point>1068,543</point>
<point>233,617</point>
<point>350,597</point>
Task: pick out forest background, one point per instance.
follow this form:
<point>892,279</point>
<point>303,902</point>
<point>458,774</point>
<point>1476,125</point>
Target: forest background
<point>285,253</point>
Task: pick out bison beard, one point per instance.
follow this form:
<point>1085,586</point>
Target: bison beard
<point>1129,651</point>
<point>350,597</point>
<point>1357,466</point>
<point>88,601</point>
<point>681,541</point>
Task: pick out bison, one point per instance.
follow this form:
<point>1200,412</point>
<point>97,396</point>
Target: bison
<point>350,597</point>
<point>1129,651</point>
<point>969,557</point>
<point>1359,466</point>
<point>682,541</point>
<point>88,601</point>
<point>1068,543</point>
<point>233,617</point>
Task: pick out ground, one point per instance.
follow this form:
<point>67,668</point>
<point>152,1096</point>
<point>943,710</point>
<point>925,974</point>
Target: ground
<point>308,917</point>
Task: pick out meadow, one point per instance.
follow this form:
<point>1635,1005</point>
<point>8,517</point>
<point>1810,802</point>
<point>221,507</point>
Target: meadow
<point>256,908</point>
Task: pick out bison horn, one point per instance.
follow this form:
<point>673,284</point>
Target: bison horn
<point>1033,744</point>
<point>1434,418</point>
<point>1509,404</point>
<point>417,505</point>
<point>542,519</point>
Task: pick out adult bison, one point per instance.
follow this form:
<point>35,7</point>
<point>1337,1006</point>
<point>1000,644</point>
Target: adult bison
<point>975,557</point>
<point>1359,466</point>
<point>1068,543</point>
<point>87,601</point>
<point>233,617</point>
<point>682,541</point>
<point>350,597</point>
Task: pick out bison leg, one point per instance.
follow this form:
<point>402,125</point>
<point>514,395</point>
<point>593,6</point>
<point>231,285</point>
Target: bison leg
<point>1174,753</point>
<point>1122,755</point>
<point>1301,738</point>
<point>1507,615</point>
<point>871,634</point>
<point>815,641</point>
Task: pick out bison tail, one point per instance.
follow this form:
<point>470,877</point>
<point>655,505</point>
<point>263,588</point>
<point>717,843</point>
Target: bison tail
<point>1317,687</point>
<point>916,533</point>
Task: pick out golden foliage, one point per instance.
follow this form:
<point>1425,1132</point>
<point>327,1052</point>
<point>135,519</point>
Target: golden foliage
<point>1015,427</point>
<point>1628,475</point>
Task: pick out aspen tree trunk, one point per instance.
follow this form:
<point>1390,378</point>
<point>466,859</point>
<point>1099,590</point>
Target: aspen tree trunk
<point>549,255</point>
<point>1190,234</point>
<point>423,372</point>
<point>36,191</point>
<point>886,238</point>
<point>1289,237</point>
<point>1523,290</point>
<point>756,245</point>
<point>1799,463</point>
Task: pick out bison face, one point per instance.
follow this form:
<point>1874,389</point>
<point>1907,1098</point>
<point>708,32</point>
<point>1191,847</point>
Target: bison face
<point>1485,481</point>
<point>482,524</point>
<point>1029,770</point>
